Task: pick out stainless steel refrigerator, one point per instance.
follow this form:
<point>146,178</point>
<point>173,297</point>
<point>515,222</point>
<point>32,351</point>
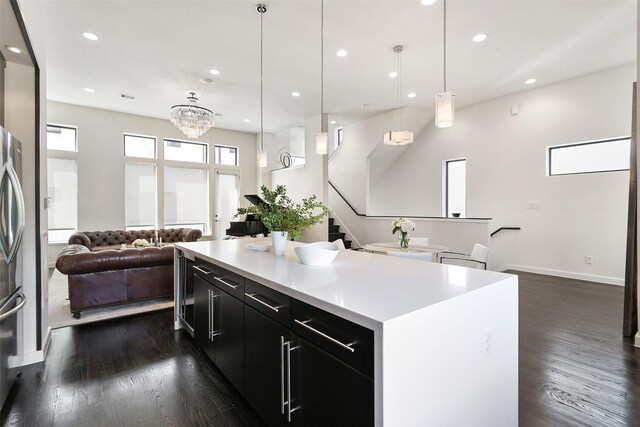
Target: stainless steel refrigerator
<point>12,221</point>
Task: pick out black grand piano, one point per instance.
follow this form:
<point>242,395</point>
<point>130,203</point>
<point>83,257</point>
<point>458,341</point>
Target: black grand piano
<point>250,226</point>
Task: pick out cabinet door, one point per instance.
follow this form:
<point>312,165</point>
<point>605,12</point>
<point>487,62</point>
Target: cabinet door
<point>327,392</point>
<point>264,366</point>
<point>229,342</point>
<point>204,296</point>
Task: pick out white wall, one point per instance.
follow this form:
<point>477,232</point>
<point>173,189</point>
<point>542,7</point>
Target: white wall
<point>101,159</point>
<point>302,182</point>
<point>579,215</point>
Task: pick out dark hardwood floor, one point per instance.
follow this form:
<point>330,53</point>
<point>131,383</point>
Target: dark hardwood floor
<point>575,369</point>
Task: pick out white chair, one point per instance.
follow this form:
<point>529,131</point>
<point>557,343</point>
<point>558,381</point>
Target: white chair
<point>476,259</point>
<point>419,241</point>
<point>421,256</point>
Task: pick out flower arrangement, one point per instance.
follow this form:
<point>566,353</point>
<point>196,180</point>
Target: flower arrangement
<point>404,226</point>
<point>140,243</point>
<point>281,214</point>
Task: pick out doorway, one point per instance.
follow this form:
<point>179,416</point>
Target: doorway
<point>227,201</point>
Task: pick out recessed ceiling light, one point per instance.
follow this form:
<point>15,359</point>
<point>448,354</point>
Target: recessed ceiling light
<point>214,72</point>
<point>332,122</point>
<point>479,38</point>
<point>412,95</point>
<point>530,81</point>
<point>90,36</point>
<point>247,120</point>
<point>342,53</point>
<point>14,49</point>
<point>88,89</point>
<point>427,2</point>
<point>206,80</point>
<point>296,94</point>
<point>393,74</point>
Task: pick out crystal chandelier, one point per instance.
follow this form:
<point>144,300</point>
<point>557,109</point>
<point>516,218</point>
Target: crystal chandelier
<point>191,119</point>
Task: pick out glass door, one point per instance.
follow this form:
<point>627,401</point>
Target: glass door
<point>227,199</point>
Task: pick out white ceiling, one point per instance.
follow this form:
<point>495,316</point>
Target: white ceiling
<point>158,50</point>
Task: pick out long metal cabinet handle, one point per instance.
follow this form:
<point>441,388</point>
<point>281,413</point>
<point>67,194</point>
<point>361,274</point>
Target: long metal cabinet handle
<point>289,410</point>
<point>253,297</point>
<point>212,331</point>
<point>333,340</point>
<point>201,270</point>
<point>282,403</point>
<point>9,176</point>
<point>15,309</point>
<point>219,279</point>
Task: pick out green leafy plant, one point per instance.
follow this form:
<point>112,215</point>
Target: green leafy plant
<point>281,214</point>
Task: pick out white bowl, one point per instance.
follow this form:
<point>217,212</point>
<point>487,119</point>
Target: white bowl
<point>319,253</point>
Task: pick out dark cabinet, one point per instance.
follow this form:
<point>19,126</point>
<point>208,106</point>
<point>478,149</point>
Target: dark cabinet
<point>326,391</point>
<point>265,366</point>
<point>219,330</point>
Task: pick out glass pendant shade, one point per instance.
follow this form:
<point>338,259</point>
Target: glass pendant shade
<point>191,119</point>
<point>398,137</point>
<point>444,110</point>
<point>262,159</point>
<point>322,143</point>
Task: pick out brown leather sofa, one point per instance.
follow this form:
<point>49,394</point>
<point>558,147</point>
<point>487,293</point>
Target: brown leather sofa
<point>102,240</point>
<point>100,273</point>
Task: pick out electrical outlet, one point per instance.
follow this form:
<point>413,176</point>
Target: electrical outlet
<point>588,259</point>
<point>487,343</point>
<point>532,205</point>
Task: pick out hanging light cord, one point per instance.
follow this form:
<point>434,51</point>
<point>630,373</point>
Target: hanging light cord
<point>444,62</point>
<point>261,101</point>
<point>322,126</point>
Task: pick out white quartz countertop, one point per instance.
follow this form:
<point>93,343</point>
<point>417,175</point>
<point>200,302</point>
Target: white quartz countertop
<point>367,288</point>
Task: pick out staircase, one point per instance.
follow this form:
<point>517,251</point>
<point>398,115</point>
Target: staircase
<point>335,234</point>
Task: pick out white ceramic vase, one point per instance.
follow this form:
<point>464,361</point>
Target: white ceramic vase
<point>279,241</point>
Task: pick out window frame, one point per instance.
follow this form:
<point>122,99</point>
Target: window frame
<point>221,165</point>
<point>135,135</point>
<point>143,161</point>
<point>207,153</point>
<point>446,186</point>
<point>579,144</point>
<point>63,155</point>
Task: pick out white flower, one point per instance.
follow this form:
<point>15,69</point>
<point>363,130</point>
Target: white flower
<point>405,225</point>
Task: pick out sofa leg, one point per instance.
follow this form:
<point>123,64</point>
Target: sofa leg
<point>77,314</point>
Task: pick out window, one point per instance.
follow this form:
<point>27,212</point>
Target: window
<point>62,182</point>
<point>185,151</point>
<point>139,146</point>
<point>224,155</point>
<point>63,198</point>
<point>338,138</point>
<point>588,157</point>
<point>61,138</point>
<point>186,198</point>
<point>140,196</point>
<point>456,188</point>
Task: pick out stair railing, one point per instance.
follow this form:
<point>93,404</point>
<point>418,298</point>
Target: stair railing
<point>504,228</point>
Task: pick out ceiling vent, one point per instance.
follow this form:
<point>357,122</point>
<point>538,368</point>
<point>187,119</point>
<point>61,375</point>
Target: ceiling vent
<point>125,96</point>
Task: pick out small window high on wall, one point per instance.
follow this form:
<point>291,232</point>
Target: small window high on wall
<point>456,188</point>
<point>195,152</point>
<point>61,138</point>
<point>139,146</point>
<point>588,157</point>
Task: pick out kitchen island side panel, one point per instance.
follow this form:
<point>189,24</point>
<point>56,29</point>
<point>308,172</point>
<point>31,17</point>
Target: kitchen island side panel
<point>454,363</point>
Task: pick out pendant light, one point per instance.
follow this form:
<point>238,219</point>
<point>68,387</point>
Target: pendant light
<point>398,137</point>
<point>444,100</point>
<point>262,155</point>
<point>190,118</point>
<point>322,137</point>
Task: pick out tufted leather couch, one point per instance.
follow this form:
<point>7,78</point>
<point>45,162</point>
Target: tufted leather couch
<point>100,273</point>
<point>102,240</point>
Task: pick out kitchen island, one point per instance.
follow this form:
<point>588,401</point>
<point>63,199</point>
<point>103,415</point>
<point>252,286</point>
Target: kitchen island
<point>366,340</point>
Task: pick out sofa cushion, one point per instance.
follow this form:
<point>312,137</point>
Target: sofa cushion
<point>77,259</point>
<point>99,240</point>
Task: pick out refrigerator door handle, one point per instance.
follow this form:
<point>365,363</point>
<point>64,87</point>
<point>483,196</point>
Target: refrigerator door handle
<point>15,309</point>
<point>10,178</point>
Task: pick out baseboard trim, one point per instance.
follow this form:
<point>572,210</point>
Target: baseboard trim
<point>565,274</point>
<point>637,344</point>
<point>37,356</point>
